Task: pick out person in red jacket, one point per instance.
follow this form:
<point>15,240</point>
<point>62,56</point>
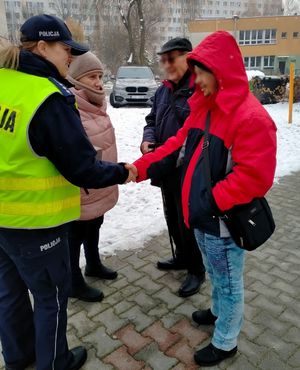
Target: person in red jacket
<point>242,152</point>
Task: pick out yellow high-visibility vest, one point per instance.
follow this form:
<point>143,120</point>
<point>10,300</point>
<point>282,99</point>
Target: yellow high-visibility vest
<point>33,194</point>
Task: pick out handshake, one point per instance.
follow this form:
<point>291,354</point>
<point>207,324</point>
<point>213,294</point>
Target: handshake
<point>133,173</point>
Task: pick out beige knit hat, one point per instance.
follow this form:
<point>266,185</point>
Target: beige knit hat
<point>84,64</point>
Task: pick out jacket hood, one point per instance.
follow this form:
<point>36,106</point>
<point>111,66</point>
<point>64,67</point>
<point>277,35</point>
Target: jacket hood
<point>221,54</point>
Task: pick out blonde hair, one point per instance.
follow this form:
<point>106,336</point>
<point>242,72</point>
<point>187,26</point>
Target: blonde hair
<point>10,54</point>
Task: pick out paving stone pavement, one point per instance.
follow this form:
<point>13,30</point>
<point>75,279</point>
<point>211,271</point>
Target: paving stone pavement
<point>143,324</point>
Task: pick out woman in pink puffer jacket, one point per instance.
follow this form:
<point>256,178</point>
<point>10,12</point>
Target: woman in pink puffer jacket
<point>85,74</point>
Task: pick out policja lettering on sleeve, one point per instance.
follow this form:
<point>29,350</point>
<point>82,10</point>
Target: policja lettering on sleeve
<point>8,118</point>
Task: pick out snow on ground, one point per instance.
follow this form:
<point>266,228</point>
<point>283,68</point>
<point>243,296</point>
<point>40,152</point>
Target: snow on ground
<point>139,215</point>
<point>288,138</point>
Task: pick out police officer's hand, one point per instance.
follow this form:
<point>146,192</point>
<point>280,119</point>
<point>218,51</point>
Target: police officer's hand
<point>145,147</point>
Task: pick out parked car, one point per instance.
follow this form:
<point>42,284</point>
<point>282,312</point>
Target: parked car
<point>269,89</point>
<point>133,85</point>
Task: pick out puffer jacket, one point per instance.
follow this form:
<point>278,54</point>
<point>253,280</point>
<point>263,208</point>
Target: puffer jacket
<point>242,140</point>
<point>100,132</point>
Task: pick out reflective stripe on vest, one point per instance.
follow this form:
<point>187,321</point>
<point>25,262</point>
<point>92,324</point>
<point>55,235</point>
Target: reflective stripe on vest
<point>33,194</point>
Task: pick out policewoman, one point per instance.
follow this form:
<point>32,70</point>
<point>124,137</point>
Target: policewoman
<point>45,158</point>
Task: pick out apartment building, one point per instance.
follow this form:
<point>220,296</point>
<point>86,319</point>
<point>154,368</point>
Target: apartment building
<point>175,15</point>
<point>269,44</point>
<point>3,23</point>
<point>179,12</point>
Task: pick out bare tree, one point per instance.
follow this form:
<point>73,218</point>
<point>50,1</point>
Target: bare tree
<point>77,9</point>
<point>76,29</point>
<point>252,9</point>
<point>291,7</point>
<point>271,7</point>
<point>126,17</point>
<point>108,40</point>
<point>139,18</point>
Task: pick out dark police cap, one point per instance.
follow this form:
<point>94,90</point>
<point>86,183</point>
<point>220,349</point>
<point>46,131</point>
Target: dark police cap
<point>50,28</point>
<point>178,43</point>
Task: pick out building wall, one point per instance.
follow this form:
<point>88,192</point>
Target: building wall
<point>285,47</point>
<point>3,23</point>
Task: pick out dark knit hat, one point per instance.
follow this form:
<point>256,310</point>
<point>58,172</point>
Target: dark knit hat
<point>178,43</point>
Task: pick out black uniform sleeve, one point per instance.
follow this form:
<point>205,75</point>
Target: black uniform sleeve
<point>56,132</point>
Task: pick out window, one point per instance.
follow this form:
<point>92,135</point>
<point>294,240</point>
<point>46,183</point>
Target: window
<point>269,62</point>
<point>253,62</point>
<point>256,37</point>
<point>260,36</point>
<point>224,3</point>
<point>283,35</point>
<point>295,35</point>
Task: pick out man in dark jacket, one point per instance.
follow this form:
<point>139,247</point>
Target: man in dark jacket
<point>169,111</point>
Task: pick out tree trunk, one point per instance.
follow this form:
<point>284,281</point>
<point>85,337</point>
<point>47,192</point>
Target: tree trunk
<point>142,33</point>
<point>127,23</point>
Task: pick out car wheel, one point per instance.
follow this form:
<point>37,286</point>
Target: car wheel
<point>112,101</point>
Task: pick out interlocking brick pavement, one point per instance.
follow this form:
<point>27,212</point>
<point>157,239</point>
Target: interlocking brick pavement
<point>143,324</point>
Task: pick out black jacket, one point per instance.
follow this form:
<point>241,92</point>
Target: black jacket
<point>169,111</point>
<point>56,132</point>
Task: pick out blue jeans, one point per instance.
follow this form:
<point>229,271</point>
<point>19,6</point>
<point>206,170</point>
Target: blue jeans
<point>224,263</point>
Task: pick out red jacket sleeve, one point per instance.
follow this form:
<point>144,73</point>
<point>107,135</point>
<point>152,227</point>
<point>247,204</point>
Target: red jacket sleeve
<point>254,163</point>
<point>169,147</point>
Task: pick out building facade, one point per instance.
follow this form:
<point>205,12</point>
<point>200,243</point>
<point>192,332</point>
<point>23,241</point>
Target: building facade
<point>3,23</point>
<point>173,21</point>
<point>269,44</point>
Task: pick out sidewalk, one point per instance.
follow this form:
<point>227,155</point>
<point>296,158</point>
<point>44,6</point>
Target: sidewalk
<point>143,324</point>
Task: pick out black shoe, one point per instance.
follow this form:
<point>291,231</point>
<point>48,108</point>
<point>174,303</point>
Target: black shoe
<point>171,264</point>
<point>101,272</point>
<point>86,293</point>
<point>210,355</point>
<point>204,317</point>
<point>79,355</point>
<point>23,365</point>
<point>191,285</point>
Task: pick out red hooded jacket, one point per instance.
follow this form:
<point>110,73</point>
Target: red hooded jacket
<point>242,139</point>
